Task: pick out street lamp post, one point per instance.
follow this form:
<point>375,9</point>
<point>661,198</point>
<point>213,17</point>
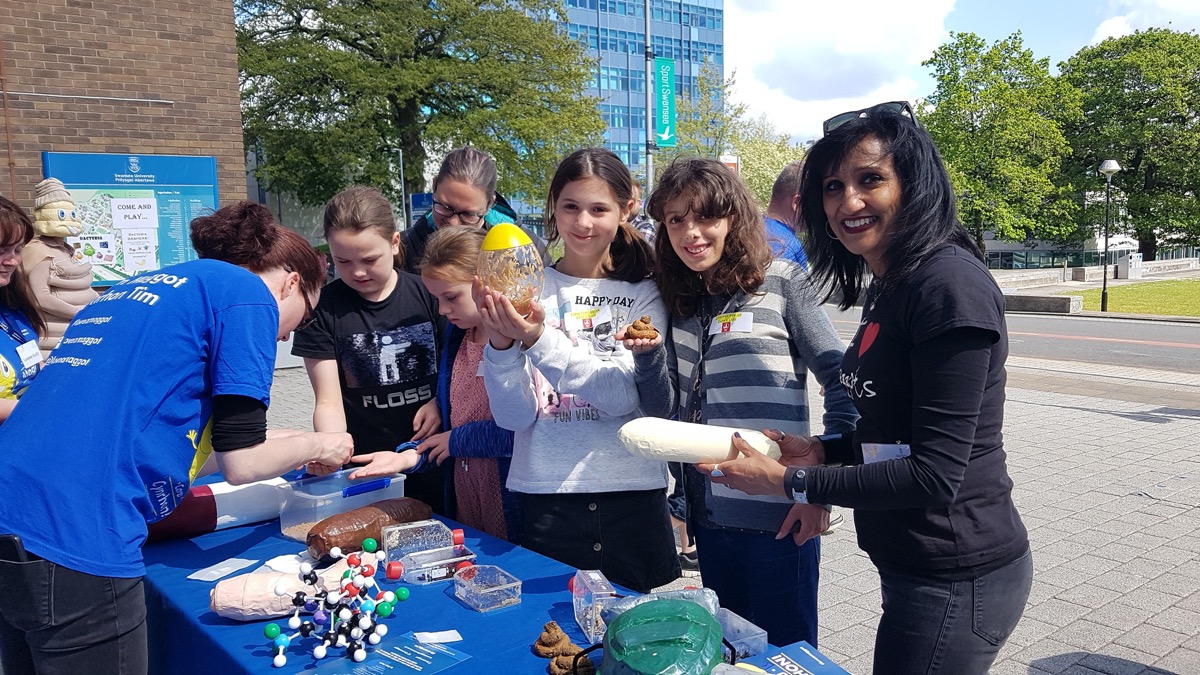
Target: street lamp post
<point>1108,167</point>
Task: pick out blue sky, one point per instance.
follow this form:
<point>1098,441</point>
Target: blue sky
<point>801,61</point>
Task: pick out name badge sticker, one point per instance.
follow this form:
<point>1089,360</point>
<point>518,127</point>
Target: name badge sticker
<point>587,319</point>
<point>30,356</point>
<point>733,322</point>
<point>883,452</point>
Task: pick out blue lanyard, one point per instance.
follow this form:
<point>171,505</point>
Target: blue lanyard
<point>13,333</point>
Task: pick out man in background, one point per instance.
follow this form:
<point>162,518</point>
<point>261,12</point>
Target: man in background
<point>781,216</point>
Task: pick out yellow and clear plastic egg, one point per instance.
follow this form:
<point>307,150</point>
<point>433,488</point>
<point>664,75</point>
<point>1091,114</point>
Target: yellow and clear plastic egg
<point>509,262</point>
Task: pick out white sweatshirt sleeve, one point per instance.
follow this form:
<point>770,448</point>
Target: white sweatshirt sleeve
<point>511,385</point>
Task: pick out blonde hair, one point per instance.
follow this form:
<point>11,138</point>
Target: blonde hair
<point>452,253</point>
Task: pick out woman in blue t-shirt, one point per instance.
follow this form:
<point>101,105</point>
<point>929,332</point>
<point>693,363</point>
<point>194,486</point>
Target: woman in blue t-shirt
<point>20,320</point>
<point>924,469</point>
<point>165,377</point>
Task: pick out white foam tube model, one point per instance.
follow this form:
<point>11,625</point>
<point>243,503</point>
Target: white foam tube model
<point>671,441</point>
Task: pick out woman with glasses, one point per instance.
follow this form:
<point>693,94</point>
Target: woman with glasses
<point>163,378</point>
<point>924,469</point>
<point>464,193</point>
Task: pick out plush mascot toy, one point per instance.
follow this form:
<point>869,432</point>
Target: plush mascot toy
<point>61,281</point>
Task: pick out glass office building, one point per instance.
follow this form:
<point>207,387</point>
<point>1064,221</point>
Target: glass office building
<point>691,32</point>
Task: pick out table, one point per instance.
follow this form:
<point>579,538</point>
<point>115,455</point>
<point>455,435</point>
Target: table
<point>186,637</point>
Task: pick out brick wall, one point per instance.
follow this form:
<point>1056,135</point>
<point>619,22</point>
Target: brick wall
<point>151,77</point>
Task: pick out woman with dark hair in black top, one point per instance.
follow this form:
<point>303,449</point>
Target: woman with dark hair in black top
<point>925,468</point>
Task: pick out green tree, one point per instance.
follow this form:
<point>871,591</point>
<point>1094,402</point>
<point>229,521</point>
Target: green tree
<point>762,152</point>
<point>997,117</point>
<point>333,93</point>
<point>709,123</point>
<point>1141,107</point>
<point>714,123</point>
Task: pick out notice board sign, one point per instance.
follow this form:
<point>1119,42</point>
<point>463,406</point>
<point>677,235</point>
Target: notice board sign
<point>136,210</point>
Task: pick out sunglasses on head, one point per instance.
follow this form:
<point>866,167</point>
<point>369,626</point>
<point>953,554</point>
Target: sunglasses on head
<point>900,107</point>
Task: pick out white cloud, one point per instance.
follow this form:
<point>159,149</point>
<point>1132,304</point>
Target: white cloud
<point>802,62</point>
<point>1117,26</point>
<point>1130,15</point>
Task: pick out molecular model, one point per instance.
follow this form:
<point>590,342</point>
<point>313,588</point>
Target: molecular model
<point>350,616</point>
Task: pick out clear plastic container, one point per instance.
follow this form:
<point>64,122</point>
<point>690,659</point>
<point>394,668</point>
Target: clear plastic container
<point>427,567</point>
<point>590,594</point>
<point>307,501</point>
<point>486,587</point>
<point>747,638</point>
<point>419,535</point>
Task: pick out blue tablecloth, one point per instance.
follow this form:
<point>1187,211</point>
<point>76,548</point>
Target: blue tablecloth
<point>186,637</point>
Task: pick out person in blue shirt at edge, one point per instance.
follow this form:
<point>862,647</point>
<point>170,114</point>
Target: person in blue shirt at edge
<point>20,319</point>
<point>781,216</point>
<point>167,376</point>
<point>464,193</point>
<point>924,470</point>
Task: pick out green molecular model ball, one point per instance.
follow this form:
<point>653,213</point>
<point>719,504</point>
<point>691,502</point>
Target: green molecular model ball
<point>401,594</point>
<point>271,631</point>
<point>370,545</point>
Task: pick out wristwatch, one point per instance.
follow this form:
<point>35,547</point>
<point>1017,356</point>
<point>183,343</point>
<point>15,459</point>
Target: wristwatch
<point>796,483</point>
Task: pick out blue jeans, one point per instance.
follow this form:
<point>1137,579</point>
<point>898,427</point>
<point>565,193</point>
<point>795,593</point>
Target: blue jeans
<point>770,582</point>
<point>56,620</point>
<point>953,627</point>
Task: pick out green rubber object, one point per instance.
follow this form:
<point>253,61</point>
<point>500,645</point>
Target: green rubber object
<point>663,637</point>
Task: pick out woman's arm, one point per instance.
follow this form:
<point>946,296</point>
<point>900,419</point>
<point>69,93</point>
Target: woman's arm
<point>329,415</point>
<point>949,373</point>
<point>6,407</point>
<point>277,455</point>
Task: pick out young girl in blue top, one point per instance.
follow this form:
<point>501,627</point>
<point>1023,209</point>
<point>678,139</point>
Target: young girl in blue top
<point>559,379</point>
<point>20,320</point>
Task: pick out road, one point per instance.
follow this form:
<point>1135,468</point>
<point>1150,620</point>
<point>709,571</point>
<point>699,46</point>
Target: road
<point>1155,345</point>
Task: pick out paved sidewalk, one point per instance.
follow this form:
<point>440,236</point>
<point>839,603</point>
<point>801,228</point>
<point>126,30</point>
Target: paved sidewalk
<point>1107,474</point>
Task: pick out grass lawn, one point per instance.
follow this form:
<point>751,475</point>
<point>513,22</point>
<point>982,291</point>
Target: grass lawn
<point>1178,297</point>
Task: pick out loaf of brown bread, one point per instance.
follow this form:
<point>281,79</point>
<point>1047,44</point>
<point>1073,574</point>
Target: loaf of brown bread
<point>347,530</point>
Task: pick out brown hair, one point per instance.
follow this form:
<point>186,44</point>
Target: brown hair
<point>452,253</point>
<point>630,257</point>
<point>16,228</point>
<point>360,208</point>
<point>246,234</point>
<point>711,190</point>
<point>471,166</point>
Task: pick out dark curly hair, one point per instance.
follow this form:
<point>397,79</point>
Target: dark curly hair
<point>711,190</point>
<point>928,215</point>
<point>16,229</point>
<point>246,234</point>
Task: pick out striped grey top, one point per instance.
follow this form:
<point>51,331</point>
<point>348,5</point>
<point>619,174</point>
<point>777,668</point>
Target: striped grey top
<point>754,376</point>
